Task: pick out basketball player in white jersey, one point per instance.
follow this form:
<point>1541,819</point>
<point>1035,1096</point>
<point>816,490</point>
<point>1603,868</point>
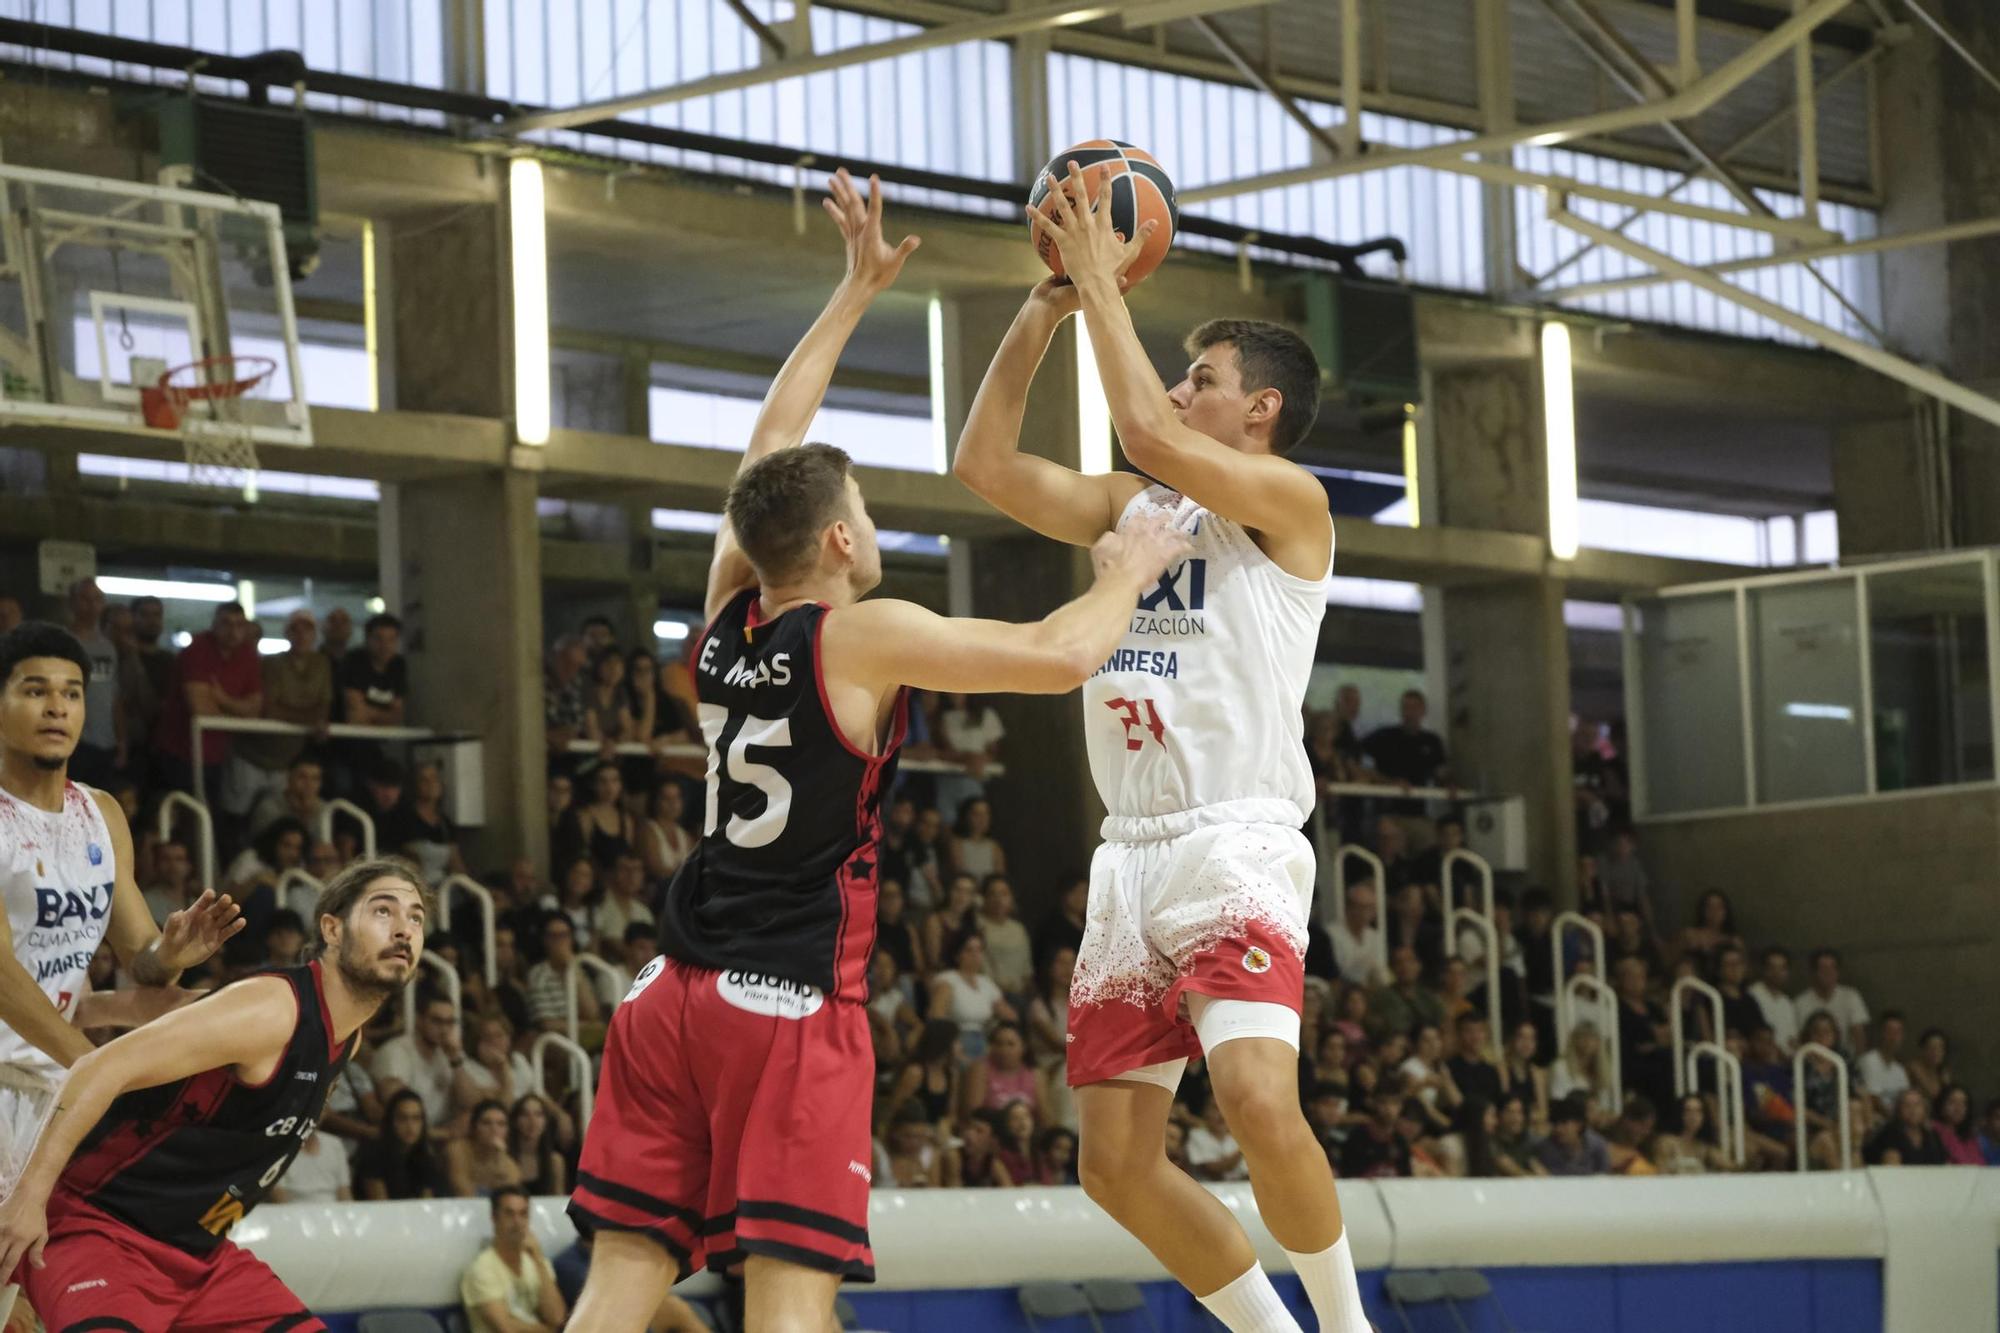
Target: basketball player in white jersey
<point>66,877</point>
<point>1196,929</point>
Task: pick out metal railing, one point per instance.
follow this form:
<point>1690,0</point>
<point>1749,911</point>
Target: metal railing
<point>1355,849</point>
<point>1481,920</point>
<point>1578,921</point>
<point>293,878</point>
<point>579,1073</point>
<point>206,852</point>
<point>1606,1002</point>
<point>484,897</point>
<point>1800,1131</point>
<point>451,991</point>
<point>1679,1025</point>
<point>589,962</point>
<point>689,750</point>
<point>1730,1130</point>
<point>341,805</point>
<point>270,726</point>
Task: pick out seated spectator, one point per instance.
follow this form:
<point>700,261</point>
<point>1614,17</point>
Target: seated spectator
<point>1627,889</point>
<point>969,732</point>
<point>1426,1079</point>
<point>1952,1119</point>
<point>1055,1157</point>
<point>324,861</point>
<point>298,688</point>
<point>1630,1138</point>
<point>1212,1151</point>
<point>534,1131</point>
<point>910,1159</point>
<point>1451,990</point>
<point>1714,930</point>
<point>892,999</point>
<point>1521,1075</point>
<point>1740,1010</point>
<point>319,1173</point>
<point>1010,959</point>
<point>1572,1147</point>
<point>284,939</point>
<point>298,798</point>
<point>967,996</point>
<point>173,885</point>
<point>495,1071</point>
<point>929,1080</point>
<point>1910,1139</point>
<point>623,904</point>
<point>1048,1013</point>
<point>561,793</point>
<point>1404,1003</point>
<point>1017,1142</point>
<point>607,711</point>
<point>600,828</point>
<point>479,1164</point>
<point>575,896</point>
<point>1631,939</point>
<point>1473,1154</point>
<point>1351,1019</point>
<point>1989,1133</point>
<point>974,1163</point>
<point>1850,1012</point>
<point>1697,1148</point>
<point>280,847</point>
<point>974,850</point>
<point>353,1112</point>
<point>380,798</point>
<point>424,1059</point>
<point>1583,1069</point>
<point>1063,927</point>
<point>1377,1149</point>
<point>1772,992</point>
<point>1880,1068</point>
<point>1769,1108</point>
<point>899,822</point>
<point>1428,1153</point>
<point>422,831</point>
<point>1416,922</point>
<point>562,695</point>
<point>400,1163</point>
<point>896,934</point>
<point>640,947</point>
<point>1930,1068</point>
<point>664,841</point>
<point>929,856</point>
<point>1513,1153</point>
<point>1471,1064</point>
<point>1645,1050</point>
<point>1356,936</point>
<point>556,978</point>
<point>1003,1076</point>
<point>959,914</point>
<point>1326,1114</point>
<point>511,1287</point>
<point>1407,753</point>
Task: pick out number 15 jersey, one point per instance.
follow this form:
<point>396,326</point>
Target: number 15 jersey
<point>1199,705</point>
<point>782,884</point>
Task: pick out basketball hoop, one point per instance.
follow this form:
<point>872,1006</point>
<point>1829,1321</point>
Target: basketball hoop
<point>203,400</point>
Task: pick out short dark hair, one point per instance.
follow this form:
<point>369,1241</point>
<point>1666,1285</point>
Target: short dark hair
<point>284,919</point>
<point>1893,1016</point>
<point>1818,954</point>
<point>779,505</point>
<point>639,931</point>
<point>237,607</point>
<point>347,888</point>
<point>379,620</point>
<point>508,1192</point>
<point>1774,951</point>
<point>1269,356</point>
<point>38,638</point>
<point>1568,1110</point>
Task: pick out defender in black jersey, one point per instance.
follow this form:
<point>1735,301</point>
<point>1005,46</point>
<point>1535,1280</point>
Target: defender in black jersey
<point>732,1117</point>
<point>164,1139</point>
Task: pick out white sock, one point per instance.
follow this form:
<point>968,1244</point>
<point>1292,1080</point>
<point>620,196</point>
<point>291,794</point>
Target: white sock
<point>1250,1304</point>
<point>1333,1287</point>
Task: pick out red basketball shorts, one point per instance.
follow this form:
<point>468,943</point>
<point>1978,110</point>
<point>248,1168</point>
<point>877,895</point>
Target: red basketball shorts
<point>1177,906</point>
<point>100,1273</point>
<point>732,1119</point>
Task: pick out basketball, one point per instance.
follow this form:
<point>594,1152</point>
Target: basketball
<point>1141,192</point>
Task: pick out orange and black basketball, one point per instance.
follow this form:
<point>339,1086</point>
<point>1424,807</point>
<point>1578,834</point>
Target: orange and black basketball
<point>1141,191</point>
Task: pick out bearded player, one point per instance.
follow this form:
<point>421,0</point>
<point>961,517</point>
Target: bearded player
<point>732,1120</point>
<point>1196,926</point>
<point>164,1139</point>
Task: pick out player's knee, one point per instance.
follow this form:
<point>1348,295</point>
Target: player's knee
<point>1110,1171</point>
<point>1261,1117</point>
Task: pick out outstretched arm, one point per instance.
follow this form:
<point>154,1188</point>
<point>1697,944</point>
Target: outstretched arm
<point>794,396</point>
<point>883,644</point>
<point>1036,492</point>
<point>245,1027</point>
<point>1263,492</point>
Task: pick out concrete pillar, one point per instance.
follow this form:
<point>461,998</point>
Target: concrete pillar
<point>1879,488</point>
<point>461,555</point>
<point>1506,717</point>
<point>1046,807</point>
<point>1940,127</point>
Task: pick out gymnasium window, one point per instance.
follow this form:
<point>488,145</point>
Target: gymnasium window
<point>933,544</point>
<point>682,415</point>
<point>934,110</point>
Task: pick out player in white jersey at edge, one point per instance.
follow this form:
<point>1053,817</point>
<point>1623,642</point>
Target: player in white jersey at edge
<point>66,878</point>
<point>1196,928</point>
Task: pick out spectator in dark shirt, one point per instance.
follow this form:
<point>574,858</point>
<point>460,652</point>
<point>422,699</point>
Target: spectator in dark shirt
<point>1645,1056</point>
<point>400,1163</point>
<point>1063,927</point>
<point>1572,1147</point>
<point>1471,1065</point>
<point>1740,1011</point>
<point>1375,1150</point>
<point>374,678</point>
<point>1407,753</point>
<point>1909,1139</point>
<point>334,636</point>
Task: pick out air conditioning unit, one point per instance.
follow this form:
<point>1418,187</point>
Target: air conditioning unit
<point>1497,829</point>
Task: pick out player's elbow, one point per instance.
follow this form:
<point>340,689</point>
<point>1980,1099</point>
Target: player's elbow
<point>968,467</point>
<point>1068,666</point>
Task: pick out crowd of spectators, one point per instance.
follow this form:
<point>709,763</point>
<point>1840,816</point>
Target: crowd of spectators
<point>969,993</point>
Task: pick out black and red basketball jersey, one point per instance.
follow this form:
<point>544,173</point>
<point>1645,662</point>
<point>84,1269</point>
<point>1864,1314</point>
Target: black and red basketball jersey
<point>184,1162</point>
<point>783,881</point>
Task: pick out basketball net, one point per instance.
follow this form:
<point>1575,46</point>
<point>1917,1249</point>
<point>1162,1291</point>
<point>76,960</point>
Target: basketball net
<point>220,453</point>
<point>204,402</point>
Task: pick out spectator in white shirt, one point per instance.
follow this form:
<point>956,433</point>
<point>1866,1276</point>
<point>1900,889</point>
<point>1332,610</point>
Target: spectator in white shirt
<point>621,906</point>
<point>1356,935</point>
<point>1850,1013</point>
<point>318,1174</point>
<point>1881,1069</point>
<point>423,1059</point>
<point>1772,994</point>
<point>1212,1152</point>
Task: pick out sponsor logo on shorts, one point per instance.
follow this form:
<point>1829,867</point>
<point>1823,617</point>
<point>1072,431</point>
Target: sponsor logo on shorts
<point>762,993</point>
<point>861,1170</point>
<point>85,1286</point>
<point>1256,960</point>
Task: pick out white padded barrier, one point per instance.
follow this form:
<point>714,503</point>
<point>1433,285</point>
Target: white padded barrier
<point>1934,1228</point>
